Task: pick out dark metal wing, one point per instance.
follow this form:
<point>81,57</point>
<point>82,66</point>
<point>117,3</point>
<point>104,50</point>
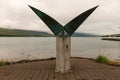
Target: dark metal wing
<point>77,21</point>
<point>55,27</point>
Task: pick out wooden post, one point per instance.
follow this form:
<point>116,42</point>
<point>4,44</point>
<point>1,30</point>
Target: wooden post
<point>63,48</point>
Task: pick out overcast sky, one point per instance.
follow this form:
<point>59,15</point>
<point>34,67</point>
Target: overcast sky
<point>104,20</point>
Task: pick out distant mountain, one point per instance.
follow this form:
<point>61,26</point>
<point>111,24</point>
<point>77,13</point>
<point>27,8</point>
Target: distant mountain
<point>112,35</point>
<point>4,32</point>
<point>22,33</point>
<point>77,34</point>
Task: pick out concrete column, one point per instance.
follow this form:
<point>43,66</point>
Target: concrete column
<point>63,48</point>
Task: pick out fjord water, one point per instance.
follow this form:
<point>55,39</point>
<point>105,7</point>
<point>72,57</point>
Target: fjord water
<point>19,48</point>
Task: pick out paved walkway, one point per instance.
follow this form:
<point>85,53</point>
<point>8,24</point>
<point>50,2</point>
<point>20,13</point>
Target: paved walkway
<point>82,69</point>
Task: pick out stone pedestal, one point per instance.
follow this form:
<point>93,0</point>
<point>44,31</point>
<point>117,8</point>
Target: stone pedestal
<point>63,50</point>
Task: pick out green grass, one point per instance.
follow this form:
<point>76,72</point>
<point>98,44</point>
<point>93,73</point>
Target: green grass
<point>102,59</point>
<point>2,63</point>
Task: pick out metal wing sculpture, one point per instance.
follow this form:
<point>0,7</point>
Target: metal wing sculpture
<point>77,21</point>
<point>57,28</point>
<point>49,21</point>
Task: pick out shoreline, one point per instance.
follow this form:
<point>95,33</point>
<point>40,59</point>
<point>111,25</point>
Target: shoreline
<point>111,38</point>
<point>113,63</point>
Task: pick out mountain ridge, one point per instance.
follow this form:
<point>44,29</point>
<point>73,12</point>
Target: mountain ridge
<point>80,34</point>
<point>5,32</point>
<point>22,33</point>
<point>112,35</point>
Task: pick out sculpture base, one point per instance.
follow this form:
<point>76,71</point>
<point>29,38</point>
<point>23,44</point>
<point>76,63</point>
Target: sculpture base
<point>63,48</point>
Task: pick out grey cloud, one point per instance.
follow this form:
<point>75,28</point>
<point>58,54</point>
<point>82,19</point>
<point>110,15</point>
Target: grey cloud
<point>17,14</point>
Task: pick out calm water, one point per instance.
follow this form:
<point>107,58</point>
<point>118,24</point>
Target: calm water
<point>12,48</point>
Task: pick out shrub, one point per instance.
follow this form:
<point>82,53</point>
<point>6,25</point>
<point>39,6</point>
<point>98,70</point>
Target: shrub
<point>102,59</point>
<point>2,63</point>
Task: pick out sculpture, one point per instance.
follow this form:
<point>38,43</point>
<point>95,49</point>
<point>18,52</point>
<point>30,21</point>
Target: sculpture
<point>63,34</point>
